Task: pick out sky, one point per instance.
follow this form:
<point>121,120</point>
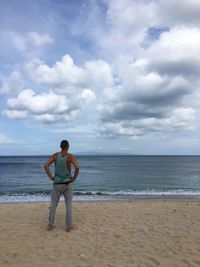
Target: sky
<point>110,76</point>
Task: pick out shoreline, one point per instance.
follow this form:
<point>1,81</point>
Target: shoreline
<point>135,200</point>
<point>112,199</point>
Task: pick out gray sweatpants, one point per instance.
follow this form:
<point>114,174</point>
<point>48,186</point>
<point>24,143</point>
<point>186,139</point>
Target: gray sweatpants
<point>67,191</point>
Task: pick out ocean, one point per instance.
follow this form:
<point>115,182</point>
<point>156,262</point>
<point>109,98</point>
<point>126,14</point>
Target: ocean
<point>22,178</point>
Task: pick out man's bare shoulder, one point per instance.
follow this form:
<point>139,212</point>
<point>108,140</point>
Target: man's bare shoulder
<point>52,159</point>
<point>72,159</point>
<point>70,156</point>
<point>54,156</point>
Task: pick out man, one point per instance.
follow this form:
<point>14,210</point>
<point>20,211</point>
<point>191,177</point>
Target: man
<point>63,180</point>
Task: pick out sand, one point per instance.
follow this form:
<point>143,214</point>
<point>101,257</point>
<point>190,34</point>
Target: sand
<point>137,233</point>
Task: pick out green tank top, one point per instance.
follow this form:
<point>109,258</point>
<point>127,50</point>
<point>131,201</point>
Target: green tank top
<point>62,174</point>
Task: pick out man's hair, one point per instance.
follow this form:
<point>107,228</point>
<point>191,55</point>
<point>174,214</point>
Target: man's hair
<point>64,144</point>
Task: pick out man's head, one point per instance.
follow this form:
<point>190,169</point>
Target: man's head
<point>64,144</point>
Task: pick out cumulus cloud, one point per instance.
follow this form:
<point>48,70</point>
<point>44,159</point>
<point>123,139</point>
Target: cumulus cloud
<point>12,84</point>
<point>48,106</point>
<point>113,130</point>
<point>129,16</point>
<point>179,120</point>
<point>71,90</point>
<point>28,99</point>
<point>65,73</point>
<point>151,88</point>
<point>131,24</point>
<point>173,12</point>
<point>139,87</point>
<point>176,52</point>
<point>15,114</point>
<point>142,93</point>
<point>54,118</point>
<point>87,95</point>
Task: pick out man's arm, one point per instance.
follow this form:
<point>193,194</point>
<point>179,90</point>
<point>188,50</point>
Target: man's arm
<point>46,166</point>
<point>76,166</point>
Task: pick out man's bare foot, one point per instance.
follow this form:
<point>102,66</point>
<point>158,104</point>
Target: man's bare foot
<point>71,228</point>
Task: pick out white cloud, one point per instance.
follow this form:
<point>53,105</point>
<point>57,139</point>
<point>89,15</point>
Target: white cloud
<point>131,16</point>
<point>176,51</point>
<point>173,12</point>
<point>14,39</point>
<point>15,114</point>
<point>52,118</point>
<point>143,90</point>
<point>47,107</point>
<point>98,74</point>
<point>14,83</point>
<point>128,22</point>
<point>183,118</point>
<point>73,89</point>
<point>64,73</point>
<point>26,41</point>
<point>87,95</point>
<point>38,39</point>
<point>179,120</point>
<point>46,102</point>
<point>150,93</point>
<point>113,130</point>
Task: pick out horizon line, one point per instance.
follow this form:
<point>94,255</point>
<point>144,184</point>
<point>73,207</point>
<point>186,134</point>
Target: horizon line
<point>99,154</point>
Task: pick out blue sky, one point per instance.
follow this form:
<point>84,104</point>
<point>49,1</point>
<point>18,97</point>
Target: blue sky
<point>111,76</point>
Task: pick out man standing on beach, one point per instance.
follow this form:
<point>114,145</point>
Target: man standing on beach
<point>63,180</point>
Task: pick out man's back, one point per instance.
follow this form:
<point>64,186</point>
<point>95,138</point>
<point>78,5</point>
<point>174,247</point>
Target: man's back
<point>63,179</point>
<point>62,169</point>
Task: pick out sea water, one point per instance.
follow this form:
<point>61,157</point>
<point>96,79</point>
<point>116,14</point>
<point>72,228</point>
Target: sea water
<point>22,178</point>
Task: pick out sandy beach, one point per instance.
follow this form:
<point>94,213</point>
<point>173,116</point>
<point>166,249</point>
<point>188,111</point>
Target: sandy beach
<point>136,233</point>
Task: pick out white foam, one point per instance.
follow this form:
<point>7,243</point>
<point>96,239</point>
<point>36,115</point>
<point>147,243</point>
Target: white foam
<point>98,196</point>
